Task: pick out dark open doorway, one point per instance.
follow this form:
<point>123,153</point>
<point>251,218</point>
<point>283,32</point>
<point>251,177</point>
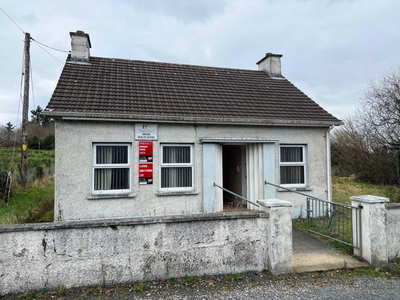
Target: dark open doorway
<point>234,176</point>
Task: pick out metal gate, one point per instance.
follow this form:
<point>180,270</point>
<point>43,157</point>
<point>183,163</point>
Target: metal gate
<point>335,221</point>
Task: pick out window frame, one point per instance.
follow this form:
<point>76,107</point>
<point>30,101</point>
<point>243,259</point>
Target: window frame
<point>176,165</point>
<point>294,164</point>
<point>111,166</point>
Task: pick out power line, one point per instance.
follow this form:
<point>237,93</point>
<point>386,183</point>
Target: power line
<point>49,46</point>
<point>48,52</point>
<point>44,45</point>
<point>12,20</point>
<point>33,92</point>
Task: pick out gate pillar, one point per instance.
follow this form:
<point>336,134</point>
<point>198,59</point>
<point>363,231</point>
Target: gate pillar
<point>373,229</point>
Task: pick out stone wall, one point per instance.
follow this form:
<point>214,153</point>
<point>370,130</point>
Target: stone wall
<point>393,230</point>
<point>106,252</point>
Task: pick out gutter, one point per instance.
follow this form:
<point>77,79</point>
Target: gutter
<point>176,119</point>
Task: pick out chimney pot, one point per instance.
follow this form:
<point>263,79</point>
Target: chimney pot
<point>80,46</point>
<point>271,64</point>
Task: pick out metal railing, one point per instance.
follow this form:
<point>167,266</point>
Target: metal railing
<point>228,191</point>
<point>336,221</point>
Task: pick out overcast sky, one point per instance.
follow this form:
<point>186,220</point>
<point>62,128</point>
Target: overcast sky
<point>331,49</point>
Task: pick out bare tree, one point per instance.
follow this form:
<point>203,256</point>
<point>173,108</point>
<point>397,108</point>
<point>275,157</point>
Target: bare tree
<point>380,110</point>
<point>355,152</point>
<point>362,146</point>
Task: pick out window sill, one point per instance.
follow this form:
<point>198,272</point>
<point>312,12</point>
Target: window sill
<point>298,189</point>
<point>159,193</point>
<point>104,197</point>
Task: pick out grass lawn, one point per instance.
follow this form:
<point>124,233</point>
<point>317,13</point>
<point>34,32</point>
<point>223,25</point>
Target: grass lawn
<point>36,158</point>
<point>30,204</point>
<point>343,188</point>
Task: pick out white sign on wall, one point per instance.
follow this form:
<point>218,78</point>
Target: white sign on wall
<point>145,132</point>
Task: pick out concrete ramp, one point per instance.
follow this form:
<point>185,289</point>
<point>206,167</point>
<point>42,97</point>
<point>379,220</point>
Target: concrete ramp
<point>310,255</point>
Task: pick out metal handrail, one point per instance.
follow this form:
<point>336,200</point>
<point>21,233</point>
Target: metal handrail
<point>236,195</point>
<point>309,196</point>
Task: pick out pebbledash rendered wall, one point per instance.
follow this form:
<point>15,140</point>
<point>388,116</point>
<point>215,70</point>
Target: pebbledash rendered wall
<point>74,156</point>
<point>86,253</point>
<point>380,223</point>
<point>393,230</point>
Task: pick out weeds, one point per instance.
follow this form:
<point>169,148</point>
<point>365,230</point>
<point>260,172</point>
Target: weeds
<point>371,272</point>
<point>62,291</point>
<point>141,288</point>
<point>189,279</point>
<point>32,295</point>
<point>233,277</point>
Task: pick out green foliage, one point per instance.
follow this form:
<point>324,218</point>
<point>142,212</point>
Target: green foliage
<point>36,158</point>
<point>233,277</point>
<point>49,142</point>
<point>371,271</point>
<point>38,117</point>
<point>62,291</point>
<point>32,295</point>
<point>141,287</point>
<point>30,204</point>
<point>189,279</point>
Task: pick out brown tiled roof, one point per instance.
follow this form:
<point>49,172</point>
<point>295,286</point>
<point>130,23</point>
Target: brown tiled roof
<point>143,88</point>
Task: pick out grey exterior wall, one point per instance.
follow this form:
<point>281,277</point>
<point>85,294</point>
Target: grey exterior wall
<point>393,230</point>
<point>74,158</point>
<point>106,252</point>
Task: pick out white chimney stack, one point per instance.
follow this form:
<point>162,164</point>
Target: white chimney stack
<point>80,46</point>
<point>271,64</point>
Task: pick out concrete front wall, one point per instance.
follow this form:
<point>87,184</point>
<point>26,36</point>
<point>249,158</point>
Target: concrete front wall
<point>74,167</point>
<point>393,233</point>
<point>48,256</point>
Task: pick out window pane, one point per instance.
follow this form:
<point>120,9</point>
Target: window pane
<point>176,154</point>
<point>292,174</point>
<point>291,154</point>
<point>111,154</point>
<point>176,177</point>
<point>111,179</point>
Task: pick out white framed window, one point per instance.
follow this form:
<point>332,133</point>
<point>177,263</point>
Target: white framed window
<point>112,164</point>
<point>293,167</point>
<point>176,167</point>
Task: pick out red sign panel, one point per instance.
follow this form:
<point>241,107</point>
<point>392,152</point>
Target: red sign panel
<point>145,148</point>
<point>145,151</point>
<point>145,170</point>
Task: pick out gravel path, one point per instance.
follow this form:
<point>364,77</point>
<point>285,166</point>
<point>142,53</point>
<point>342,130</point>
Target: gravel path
<point>368,283</point>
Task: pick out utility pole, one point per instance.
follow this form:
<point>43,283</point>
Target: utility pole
<point>24,146</point>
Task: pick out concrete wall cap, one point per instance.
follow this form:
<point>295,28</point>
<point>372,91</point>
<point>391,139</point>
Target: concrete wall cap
<point>369,199</point>
<point>275,203</point>
<point>134,221</point>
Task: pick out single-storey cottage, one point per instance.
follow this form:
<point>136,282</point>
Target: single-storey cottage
<point>143,138</point>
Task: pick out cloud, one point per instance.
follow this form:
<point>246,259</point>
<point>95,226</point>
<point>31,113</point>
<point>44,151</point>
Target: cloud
<point>331,49</point>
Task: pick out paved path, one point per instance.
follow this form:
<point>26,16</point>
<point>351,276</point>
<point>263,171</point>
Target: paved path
<point>310,255</point>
